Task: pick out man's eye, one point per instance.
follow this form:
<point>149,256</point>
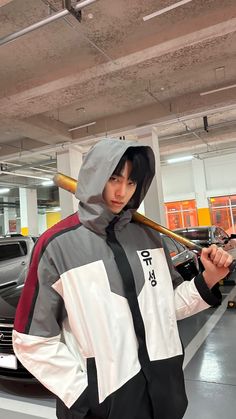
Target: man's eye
<point>113,178</point>
<point>132,183</point>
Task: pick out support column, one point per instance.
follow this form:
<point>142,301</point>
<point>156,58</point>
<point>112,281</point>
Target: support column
<point>9,213</point>
<point>28,211</point>
<point>199,179</point>
<point>154,200</point>
<point>69,163</point>
<point>5,217</point>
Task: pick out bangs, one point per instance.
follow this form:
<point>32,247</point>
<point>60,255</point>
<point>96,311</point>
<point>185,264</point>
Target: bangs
<point>140,165</point>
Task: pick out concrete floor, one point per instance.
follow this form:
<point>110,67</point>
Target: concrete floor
<point>210,361</point>
<point>209,339</point>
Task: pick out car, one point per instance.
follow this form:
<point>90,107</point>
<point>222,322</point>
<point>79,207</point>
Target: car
<point>15,257</point>
<point>184,260</point>
<point>207,235</point>
<point>15,252</point>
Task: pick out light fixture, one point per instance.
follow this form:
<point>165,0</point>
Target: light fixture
<point>166,9</point>
<point>4,172</point>
<point>82,126</point>
<point>39,169</point>
<point>53,209</point>
<point>179,159</point>
<point>4,190</point>
<point>209,92</point>
<point>47,183</point>
<point>10,163</point>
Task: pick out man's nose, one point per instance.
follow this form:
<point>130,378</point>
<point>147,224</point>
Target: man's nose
<point>121,191</point>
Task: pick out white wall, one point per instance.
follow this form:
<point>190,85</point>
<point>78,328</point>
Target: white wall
<point>177,180</point>
<point>220,175</point>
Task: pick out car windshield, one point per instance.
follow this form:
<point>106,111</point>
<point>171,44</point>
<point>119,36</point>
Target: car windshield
<point>195,234</point>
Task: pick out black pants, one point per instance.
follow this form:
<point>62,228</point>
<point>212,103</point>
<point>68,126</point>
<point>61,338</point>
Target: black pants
<point>63,412</point>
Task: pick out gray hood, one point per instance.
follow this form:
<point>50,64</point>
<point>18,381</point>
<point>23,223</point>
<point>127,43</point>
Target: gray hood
<point>97,167</point>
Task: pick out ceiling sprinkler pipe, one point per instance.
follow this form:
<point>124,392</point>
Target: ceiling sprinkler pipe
<point>46,21</point>
<point>31,28</point>
<point>83,4</point>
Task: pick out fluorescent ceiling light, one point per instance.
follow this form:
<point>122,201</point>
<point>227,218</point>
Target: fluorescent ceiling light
<point>82,126</point>
<point>4,172</point>
<point>12,164</point>
<point>218,90</point>
<point>179,159</point>
<point>38,169</point>
<point>166,9</point>
<point>4,190</point>
<point>47,183</point>
<point>55,209</point>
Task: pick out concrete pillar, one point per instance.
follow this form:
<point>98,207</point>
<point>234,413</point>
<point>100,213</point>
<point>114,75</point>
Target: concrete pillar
<point>5,217</point>
<point>42,221</point>
<point>28,211</point>
<point>9,216</point>
<point>199,179</point>
<point>154,201</point>
<point>69,163</point>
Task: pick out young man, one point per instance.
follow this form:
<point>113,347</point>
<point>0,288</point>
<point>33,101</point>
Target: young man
<point>96,322</point>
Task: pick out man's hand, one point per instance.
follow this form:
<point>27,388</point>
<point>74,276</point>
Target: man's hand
<point>216,262</point>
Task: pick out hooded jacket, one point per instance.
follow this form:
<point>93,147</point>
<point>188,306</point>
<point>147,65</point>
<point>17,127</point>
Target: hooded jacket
<point>97,319</point>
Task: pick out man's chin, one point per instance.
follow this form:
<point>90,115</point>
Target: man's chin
<point>116,212</point>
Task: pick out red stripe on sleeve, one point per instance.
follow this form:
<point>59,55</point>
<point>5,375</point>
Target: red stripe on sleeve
<point>26,300</point>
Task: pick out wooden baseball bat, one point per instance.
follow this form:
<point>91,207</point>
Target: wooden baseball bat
<point>70,185</point>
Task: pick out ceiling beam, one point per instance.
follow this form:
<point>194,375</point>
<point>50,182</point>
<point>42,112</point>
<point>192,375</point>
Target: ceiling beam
<point>182,108</point>
<point>65,90</point>
<point>39,127</point>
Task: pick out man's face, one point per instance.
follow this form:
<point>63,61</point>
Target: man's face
<point>119,189</point>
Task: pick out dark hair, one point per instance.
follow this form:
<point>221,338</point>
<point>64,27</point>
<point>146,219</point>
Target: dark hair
<point>140,172</point>
<point>140,164</point>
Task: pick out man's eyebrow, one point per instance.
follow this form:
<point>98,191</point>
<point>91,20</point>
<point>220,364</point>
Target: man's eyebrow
<point>116,174</point>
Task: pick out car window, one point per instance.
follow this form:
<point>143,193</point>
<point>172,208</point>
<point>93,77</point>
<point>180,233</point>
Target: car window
<point>171,245</point>
<point>179,246</point>
<point>195,234</point>
<point>12,250</point>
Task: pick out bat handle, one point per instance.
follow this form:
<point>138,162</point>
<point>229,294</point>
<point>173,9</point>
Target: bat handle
<point>232,266</point>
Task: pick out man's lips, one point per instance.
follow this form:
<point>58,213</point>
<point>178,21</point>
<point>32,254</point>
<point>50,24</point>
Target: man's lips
<point>117,202</point>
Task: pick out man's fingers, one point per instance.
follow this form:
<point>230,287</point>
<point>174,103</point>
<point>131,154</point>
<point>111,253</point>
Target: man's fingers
<point>218,256</point>
<point>209,252</point>
<point>228,261</point>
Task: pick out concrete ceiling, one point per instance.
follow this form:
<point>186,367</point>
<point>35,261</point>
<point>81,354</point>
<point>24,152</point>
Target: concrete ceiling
<point>118,71</point>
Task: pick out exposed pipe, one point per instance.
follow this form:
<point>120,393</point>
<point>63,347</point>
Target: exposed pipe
<point>83,4</point>
<point>46,21</point>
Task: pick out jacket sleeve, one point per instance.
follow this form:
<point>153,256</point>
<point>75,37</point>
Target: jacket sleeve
<point>191,297</point>
<point>38,340</point>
